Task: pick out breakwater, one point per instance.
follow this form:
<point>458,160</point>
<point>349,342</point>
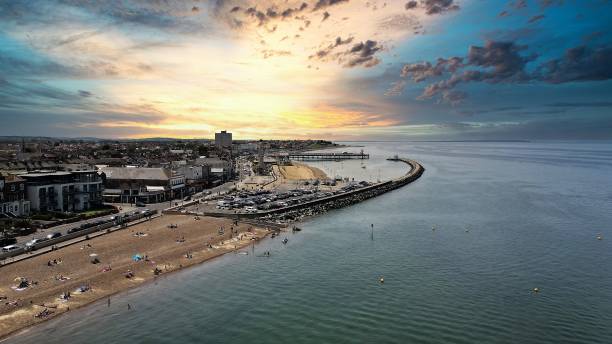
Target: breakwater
<point>321,205</point>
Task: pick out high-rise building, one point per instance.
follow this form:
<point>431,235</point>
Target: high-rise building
<point>223,139</point>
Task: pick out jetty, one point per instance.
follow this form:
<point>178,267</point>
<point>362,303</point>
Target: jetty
<point>309,156</point>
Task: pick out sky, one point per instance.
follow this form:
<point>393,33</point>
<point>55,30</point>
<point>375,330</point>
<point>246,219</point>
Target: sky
<point>307,69</point>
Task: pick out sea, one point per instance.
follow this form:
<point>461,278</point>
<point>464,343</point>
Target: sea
<point>461,251</point>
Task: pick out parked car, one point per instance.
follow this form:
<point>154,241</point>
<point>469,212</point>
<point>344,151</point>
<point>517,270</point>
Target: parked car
<point>54,235</point>
<point>140,204</point>
<point>10,248</point>
<point>5,241</point>
<point>32,243</point>
<point>250,209</point>
<point>74,229</point>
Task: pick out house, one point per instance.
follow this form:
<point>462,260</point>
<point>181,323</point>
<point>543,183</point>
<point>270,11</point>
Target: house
<point>141,184</point>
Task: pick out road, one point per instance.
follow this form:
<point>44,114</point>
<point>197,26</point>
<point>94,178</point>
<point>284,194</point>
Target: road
<point>124,208</point>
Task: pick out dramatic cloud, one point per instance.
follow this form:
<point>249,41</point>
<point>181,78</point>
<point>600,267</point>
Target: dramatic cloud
<point>578,64</point>
<point>363,54</point>
<point>498,62</point>
<point>495,62</point>
<point>432,6</point>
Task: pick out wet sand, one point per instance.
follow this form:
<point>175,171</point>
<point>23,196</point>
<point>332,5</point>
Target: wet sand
<point>166,249</point>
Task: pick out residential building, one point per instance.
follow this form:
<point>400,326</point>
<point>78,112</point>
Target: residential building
<point>13,201</point>
<point>223,139</point>
<point>141,184</point>
<point>65,191</point>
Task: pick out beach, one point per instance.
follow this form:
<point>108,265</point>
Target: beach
<point>136,250</point>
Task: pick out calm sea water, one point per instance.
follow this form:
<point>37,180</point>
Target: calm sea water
<point>533,211</point>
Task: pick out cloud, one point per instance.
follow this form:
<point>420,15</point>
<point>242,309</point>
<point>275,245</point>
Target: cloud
<point>270,13</point>
<point>85,94</point>
<point>396,88</point>
<point>535,18</point>
<point>494,62</point>
<point>324,53</point>
<point>578,64</point>
<point>595,104</point>
<point>363,54</point>
<point>321,4</point>
<point>432,6</point>
<point>505,62</point>
<point>424,70</point>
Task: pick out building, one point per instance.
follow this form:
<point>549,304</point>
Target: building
<point>13,201</point>
<point>219,168</point>
<point>65,191</point>
<point>196,177</point>
<point>223,139</point>
<point>141,184</point>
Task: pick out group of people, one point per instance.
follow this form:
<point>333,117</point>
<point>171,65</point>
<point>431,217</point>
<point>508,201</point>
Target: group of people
<point>54,262</point>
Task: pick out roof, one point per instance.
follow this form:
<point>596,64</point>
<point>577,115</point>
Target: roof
<point>45,174</point>
<point>136,173</point>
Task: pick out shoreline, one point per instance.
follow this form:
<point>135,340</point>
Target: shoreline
<point>14,320</point>
<point>59,316</point>
<point>26,323</point>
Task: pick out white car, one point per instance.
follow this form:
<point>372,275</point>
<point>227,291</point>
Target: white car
<point>10,248</point>
<point>250,209</point>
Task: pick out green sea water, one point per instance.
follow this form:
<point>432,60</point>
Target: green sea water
<point>508,217</point>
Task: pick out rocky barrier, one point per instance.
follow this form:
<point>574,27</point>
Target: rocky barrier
<point>321,205</point>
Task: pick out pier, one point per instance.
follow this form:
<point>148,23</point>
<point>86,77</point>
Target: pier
<point>324,156</point>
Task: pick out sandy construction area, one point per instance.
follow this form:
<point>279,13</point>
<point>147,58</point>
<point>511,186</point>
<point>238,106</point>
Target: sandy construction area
<point>298,171</point>
<point>167,249</point>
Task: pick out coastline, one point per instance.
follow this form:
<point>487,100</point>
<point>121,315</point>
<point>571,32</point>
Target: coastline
<point>14,321</point>
<point>113,250</point>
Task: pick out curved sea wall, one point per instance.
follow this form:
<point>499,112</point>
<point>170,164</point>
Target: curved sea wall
<point>324,204</point>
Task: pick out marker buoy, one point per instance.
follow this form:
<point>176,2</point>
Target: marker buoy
<point>382,280</point>
<point>536,290</point>
<point>599,237</point>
